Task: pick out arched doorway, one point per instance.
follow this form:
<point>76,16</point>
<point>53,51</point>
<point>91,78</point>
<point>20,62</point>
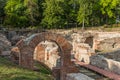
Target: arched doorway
<point>48,52</point>
<point>28,45</point>
<point>89,40</point>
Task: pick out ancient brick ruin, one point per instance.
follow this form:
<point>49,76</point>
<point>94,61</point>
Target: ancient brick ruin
<point>48,53</point>
<point>27,47</point>
<point>56,52</point>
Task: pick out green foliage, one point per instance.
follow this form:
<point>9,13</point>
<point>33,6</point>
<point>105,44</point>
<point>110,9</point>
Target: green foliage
<point>2,12</point>
<point>53,14</point>
<point>15,13</point>
<point>84,11</point>
<point>2,4</point>
<point>108,7</point>
<point>32,10</point>
<point>21,13</point>
<point>59,13</point>
<point>71,8</point>
<point>43,69</point>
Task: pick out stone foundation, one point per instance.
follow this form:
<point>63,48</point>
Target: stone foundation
<point>105,63</point>
<point>82,52</point>
<point>78,76</point>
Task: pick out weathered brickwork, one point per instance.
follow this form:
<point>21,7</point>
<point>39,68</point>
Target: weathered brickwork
<point>15,54</point>
<point>27,47</point>
<point>47,53</point>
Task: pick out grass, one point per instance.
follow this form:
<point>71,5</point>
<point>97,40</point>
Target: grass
<point>42,68</point>
<point>10,71</point>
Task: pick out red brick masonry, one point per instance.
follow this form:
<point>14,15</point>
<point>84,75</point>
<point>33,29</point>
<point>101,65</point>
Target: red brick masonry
<point>27,47</point>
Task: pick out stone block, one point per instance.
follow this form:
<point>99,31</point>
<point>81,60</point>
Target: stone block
<point>77,76</point>
<point>105,63</point>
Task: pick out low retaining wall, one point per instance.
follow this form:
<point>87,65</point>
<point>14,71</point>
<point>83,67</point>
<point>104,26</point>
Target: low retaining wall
<point>105,63</point>
<point>78,76</point>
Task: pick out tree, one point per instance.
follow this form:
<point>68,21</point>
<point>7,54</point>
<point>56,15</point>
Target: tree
<point>32,10</point>
<point>85,10</point>
<point>95,19</point>
<point>53,14</point>
<point>2,13</point>
<point>71,8</point>
<point>108,7</point>
<point>15,15</point>
<point>21,13</point>
<point>118,13</point>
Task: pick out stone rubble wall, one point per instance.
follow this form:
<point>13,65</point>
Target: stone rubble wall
<point>16,38</point>
<point>71,35</point>
<point>110,44</point>
<point>104,41</point>
<point>4,43</point>
<point>82,51</point>
<point>105,63</point>
<point>105,35</point>
<point>115,55</point>
<point>78,76</point>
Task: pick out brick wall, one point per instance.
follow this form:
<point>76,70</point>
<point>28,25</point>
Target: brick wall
<point>27,47</point>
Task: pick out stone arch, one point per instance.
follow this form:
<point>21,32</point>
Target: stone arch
<point>28,45</point>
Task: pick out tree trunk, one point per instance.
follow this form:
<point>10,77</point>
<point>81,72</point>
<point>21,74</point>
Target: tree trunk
<point>83,25</point>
